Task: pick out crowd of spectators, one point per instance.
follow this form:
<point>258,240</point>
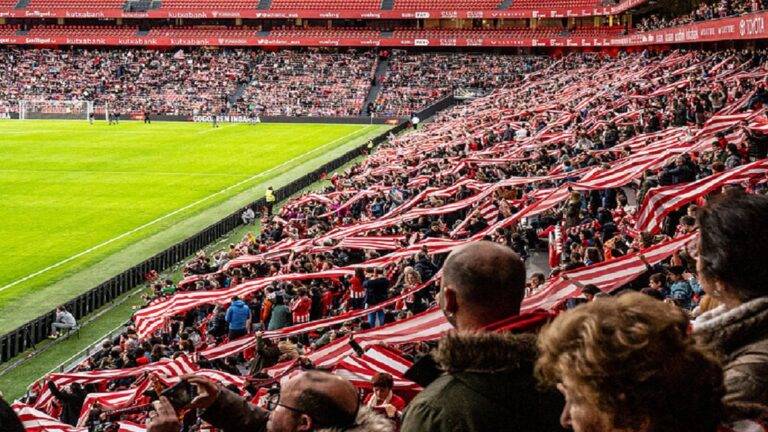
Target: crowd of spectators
<point>309,83</point>
<point>705,10</point>
<point>191,81</point>
<point>417,79</point>
<point>377,235</point>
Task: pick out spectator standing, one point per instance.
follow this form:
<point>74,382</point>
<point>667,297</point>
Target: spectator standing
<point>376,291</point>
<point>625,364</point>
<point>488,383</point>
<point>732,269</point>
<point>356,289</point>
<point>238,318</point>
<point>300,307</point>
<point>71,399</point>
<point>382,397</point>
<point>269,197</point>
<point>280,316</point>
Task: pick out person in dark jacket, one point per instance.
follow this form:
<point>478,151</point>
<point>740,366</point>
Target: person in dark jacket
<point>267,354</point>
<point>217,327</point>
<point>681,172</point>
<point>9,421</point>
<point>312,401</point>
<point>71,400</point>
<point>376,291</point>
<point>281,314</point>
<point>425,267</point>
<point>488,382</point>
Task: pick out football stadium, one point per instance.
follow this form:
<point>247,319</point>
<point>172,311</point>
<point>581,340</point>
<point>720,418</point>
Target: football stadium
<point>383,215</point>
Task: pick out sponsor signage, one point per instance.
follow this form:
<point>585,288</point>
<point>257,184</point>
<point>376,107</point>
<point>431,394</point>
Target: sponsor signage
<point>751,26</point>
<point>321,14</point>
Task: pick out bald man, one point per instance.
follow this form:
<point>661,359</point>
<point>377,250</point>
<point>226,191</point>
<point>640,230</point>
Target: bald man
<point>488,382</point>
<point>312,401</point>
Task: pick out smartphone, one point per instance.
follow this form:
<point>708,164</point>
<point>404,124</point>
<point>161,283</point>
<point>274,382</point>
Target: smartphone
<point>180,394</point>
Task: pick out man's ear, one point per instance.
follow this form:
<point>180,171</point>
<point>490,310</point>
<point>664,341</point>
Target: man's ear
<point>305,423</point>
<point>450,302</point>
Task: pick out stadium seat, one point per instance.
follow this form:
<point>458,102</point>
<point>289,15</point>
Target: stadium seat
<point>81,31</point>
<point>446,4</point>
<point>326,5</point>
<point>7,30</point>
<point>209,4</point>
<point>76,4</point>
<point>321,32</point>
<point>203,31</point>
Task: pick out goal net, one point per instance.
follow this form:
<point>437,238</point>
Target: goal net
<point>76,109</point>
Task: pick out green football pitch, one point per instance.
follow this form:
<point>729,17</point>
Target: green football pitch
<point>81,203</point>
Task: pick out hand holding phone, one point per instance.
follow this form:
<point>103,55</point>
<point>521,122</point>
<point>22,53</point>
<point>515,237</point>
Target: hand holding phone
<point>180,395</point>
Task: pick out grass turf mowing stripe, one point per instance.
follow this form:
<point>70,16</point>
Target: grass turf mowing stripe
<point>245,137</point>
<point>171,214</point>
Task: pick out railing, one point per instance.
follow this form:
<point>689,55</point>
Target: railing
<point>29,334</point>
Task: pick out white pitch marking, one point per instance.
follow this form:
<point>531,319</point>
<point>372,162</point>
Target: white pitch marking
<point>225,190</point>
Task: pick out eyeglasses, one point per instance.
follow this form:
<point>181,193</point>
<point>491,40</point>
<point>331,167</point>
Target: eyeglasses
<point>273,402</point>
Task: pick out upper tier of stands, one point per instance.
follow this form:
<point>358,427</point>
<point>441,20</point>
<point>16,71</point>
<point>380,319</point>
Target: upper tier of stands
<point>81,31</point>
<point>75,4</point>
<point>529,4</point>
<point>189,31</point>
<point>298,5</point>
<point>600,31</point>
<point>209,4</point>
<point>316,32</point>
<point>447,4</point>
<point>542,32</point>
<point>324,32</point>
<point>329,5</point>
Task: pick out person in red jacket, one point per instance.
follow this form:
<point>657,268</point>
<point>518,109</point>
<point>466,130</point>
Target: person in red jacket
<point>383,399</point>
<point>300,307</point>
<point>326,299</point>
<point>356,290</point>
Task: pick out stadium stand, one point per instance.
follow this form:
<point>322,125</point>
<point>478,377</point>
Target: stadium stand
<point>81,31</point>
<point>416,80</point>
<point>310,83</point>
<point>355,32</point>
<point>447,4</point>
<point>75,4</point>
<point>601,31</point>
<point>705,10</point>
<point>202,31</point>
<point>642,171</point>
<point>327,4</point>
<point>8,30</point>
<point>542,32</point>
<point>209,4</point>
<point>553,155</point>
<point>529,4</point>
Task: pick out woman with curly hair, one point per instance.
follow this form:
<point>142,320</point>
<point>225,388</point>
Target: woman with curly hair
<point>628,364</point>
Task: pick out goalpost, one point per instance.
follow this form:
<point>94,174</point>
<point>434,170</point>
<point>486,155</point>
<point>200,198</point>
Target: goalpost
<point>80,108</point>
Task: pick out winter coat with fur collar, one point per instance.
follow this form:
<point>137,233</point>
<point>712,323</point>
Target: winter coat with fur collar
<point>487,385</point>
<point>740,336</point>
